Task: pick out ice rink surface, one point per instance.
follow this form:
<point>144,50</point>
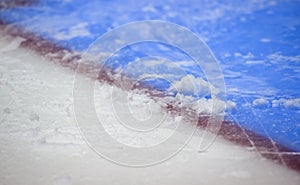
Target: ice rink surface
<point>40,142</point>
<point>52,133</point>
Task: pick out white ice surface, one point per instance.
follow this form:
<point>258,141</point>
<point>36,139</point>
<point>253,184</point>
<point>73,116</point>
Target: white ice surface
<point>41,144</point>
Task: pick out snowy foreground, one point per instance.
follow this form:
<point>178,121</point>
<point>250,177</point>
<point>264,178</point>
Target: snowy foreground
<point>40,142</point>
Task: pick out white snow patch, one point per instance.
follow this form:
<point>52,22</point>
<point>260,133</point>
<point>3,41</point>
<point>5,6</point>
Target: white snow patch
<point>287,103</point>
<point>260,102</point>
<point>194,86</point>
<point>265,40</point>
<point>233,89</point>
<point>248,55</point>
<point>79,30</point>
<point>149,8</point>
<point>283,58</point>
<point>230,105</point>
<point>200,95</point>
<point>237,54</point>
<point>255,62</point>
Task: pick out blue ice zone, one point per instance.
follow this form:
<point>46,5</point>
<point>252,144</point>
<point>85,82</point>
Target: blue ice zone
<point>256,44</point>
